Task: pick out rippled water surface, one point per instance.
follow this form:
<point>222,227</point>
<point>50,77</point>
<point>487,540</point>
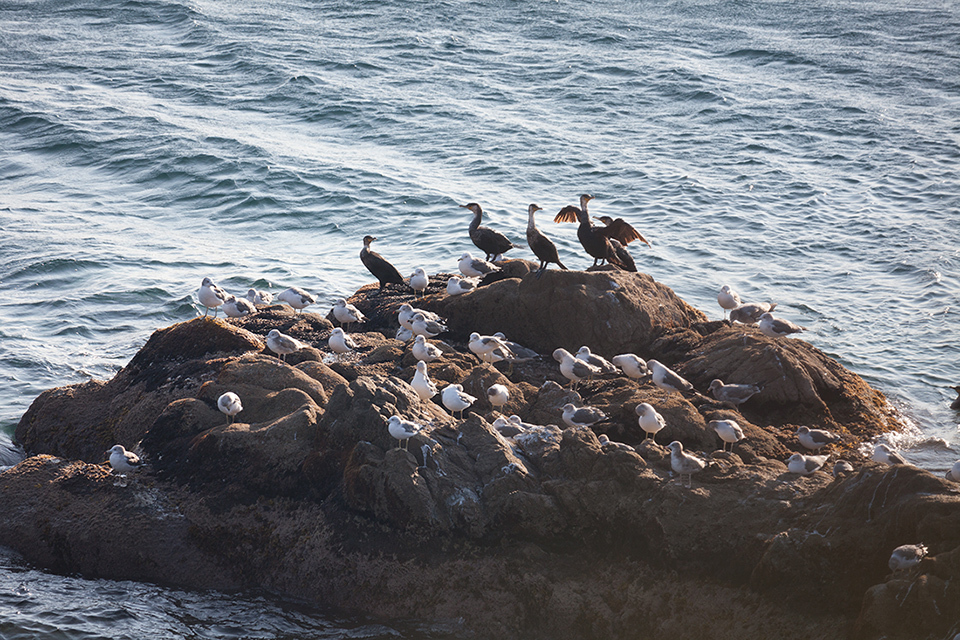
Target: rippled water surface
<point>804,153</point>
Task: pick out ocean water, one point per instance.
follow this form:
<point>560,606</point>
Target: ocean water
<point>804,153</point>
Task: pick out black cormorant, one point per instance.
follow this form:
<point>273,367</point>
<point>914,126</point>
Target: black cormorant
<point>493,243</point>
<point>594,239</point>
<point>385,272</point>
<point>540,244</point>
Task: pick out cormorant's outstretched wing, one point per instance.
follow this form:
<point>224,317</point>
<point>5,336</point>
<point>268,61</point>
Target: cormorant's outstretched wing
<point>623,232</point>
<point>567,214</point>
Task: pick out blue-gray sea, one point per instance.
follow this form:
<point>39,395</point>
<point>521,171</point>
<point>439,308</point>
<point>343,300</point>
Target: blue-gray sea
<point>804,153</point>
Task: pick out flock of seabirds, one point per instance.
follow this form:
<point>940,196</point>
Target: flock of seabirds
<point>606,242</point>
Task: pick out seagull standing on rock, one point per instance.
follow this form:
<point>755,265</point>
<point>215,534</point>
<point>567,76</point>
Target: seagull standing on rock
<point>347,314</point>
<point>777,328</point>
<point>296,298</point>
<point>632,365</point>
<point>582,416</point>
<point>684,464</point>
<point>210,296</point>
<point>475,267</point>
<point>498,395</point>
<point>122,460</point>
<point>407,311</point>
<point>458,286</point>
<point>650,421</point>
<point>667,379</point>
<point>750,312</point>
<point>421,326</point>
<point>403,430</point>
<point>815,439</point>
<point>728,299</point>
<point>573,369</point>
<point>805,465</point>
<point>419,281</point>
<point>455,399</point>
<point>484,347</point>
<point>235,307</point>
<point>340,342</point>
<point>423,350</point>
<point>906,556</point>
<point>422,383</point>
<point>605,366</point>
<point>259,298</point>
<point>735,394</point>
<point>953,473</point>
<point>885,455</point>
<point>282,344</point>
<point>728,430</point>
<point>229,403</point>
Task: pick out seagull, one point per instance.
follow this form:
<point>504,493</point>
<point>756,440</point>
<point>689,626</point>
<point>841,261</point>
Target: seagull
<point>236,307</point>
<point>728,430</point>
<point>454,398</point>
<point>403,430</point>
<point>886,455</point>
<point>842,467</point>
<point>421,326</point>
<point>419,281</point>
<point>259,298</point>
<point>423,350</point>
<point>634,366</point>
<point>282,344</point>
<point>339,342</point>
<point>475,267</point>
<point>573,369</point>
<point>229,403</point>
<point>776,328</point>
<point>211,296</point>
<point>508,428</point>
<point>493,243</point>
<point>735,394</point>
<point>728,299</point>
<point>650,421</point>
<point>122,460</point>
<point>406,312</point>
<point>906,556</point>
<point>816,439</point>
<point>498,395</point>
<point>750,312</point>
<point>607,442</point>
<point>684,464</point>
<point>805,465</point>
<point>375,263</point>
<point>404,334</point>
<point>667,379</point>
<point>953,474</point>
<point>540,244</point>
<point>605,366</point>
<point>486,346</point>
<point>458,286</point>
<point>520,352</point>
<point>422,383</point>
<point>582,416</point>
<point>347,314</point>
<point>296,298</point>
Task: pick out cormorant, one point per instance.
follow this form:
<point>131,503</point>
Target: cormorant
<point>491,242</point>
<point>382,270</point>
<point>594,239</point>
<point>540,244</point>
<point>621,233</point>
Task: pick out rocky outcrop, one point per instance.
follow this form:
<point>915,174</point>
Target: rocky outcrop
<point>550,534</point>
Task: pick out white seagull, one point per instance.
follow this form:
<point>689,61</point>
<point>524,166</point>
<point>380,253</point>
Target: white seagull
<point>404,334</point>
<point>884,454</point>
<point>953,474</point>
<point>419,281</point>
<point>485,346</point>
<point>573,369</point>
<point>422,383</point>
<point>407,311</point>
<point>455,399</point>
<point>750,312</point>
<point>605,366</point>
<point>259,298</point>
<point>211,296</point>
<point>815,439</point>
<point>777,328</point>
<point>498,395</point>
<point>282,344</point>
<point>906,556</point>
<point>684,464</point>
<point>728,430</point>
<point>236,307</point>
<point>735,394</point>
<point>229,403</point>
<point>650,421</point>
<point>728,299</point>
<point>666,379</point>
<point>805,465</point>
<point>458,286</point>
<point>841,467</point>
<point>339,342</point>
<point>403,430</point>
<point>475,267</point>
<point>347,314</point>
<point>423,350</point>
<point>296,298</point>
<point>582,416</point>
<point>122,460</point>
<point>607,442</point>
<point>632,365</point>
<point>421,326</point>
